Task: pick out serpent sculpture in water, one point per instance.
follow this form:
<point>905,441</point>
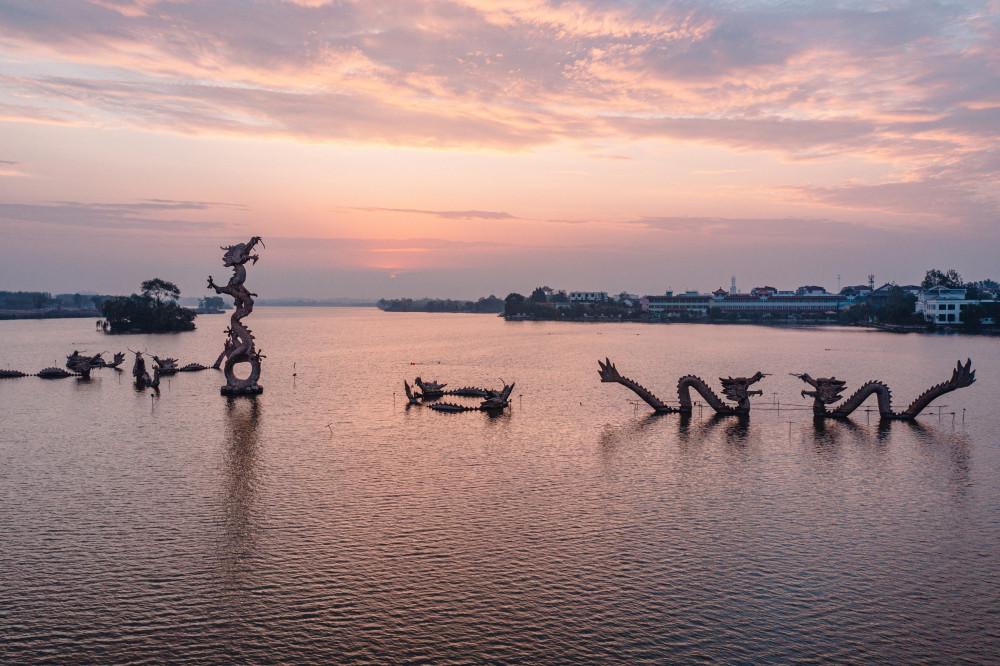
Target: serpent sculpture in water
<point>736,389</point>
<point>828,390</point>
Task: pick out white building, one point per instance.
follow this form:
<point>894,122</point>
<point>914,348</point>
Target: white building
<point>588,296</point>
<point>943,305</point>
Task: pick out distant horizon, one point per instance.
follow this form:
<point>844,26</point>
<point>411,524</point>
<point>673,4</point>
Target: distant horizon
<point>266,300</point>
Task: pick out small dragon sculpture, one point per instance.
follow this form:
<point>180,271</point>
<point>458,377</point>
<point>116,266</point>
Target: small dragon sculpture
<point>828,390</point>
<point>494,401</point>
<point>81,364</point>
<point>494,405</point>
<point>736,389</point>
<point>141,376</point>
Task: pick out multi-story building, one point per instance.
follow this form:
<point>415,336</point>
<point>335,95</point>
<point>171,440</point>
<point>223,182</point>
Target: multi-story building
<point>768,301</point>
<point>588,296</point>
<point>779,305</point>
<point>691,305</point>
<point>944,305</point>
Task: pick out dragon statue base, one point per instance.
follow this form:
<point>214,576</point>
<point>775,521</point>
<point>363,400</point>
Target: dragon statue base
<point>827,391</point>
<point>239,348</point>
<point>736,389</point>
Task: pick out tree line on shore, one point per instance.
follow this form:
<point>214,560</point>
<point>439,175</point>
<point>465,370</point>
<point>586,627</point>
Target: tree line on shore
<point>488,304</point>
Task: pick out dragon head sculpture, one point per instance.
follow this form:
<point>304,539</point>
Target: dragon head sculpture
<point>738,390</point>
<point>828,390</point>
<point>239,254</point>
<point>498,402</point>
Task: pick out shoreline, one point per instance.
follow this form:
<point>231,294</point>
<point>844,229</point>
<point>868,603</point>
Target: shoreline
<point>885,328</point>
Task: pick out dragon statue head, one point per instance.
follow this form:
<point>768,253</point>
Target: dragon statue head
<point>828,390</point>
<point>738,390</point>
<point>499,402</point>
<point>239,254</point>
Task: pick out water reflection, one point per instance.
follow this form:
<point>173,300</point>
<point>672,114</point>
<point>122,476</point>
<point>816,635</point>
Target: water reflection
<point>613,436</point>
<point>242,481</point>
<point>934,442</point>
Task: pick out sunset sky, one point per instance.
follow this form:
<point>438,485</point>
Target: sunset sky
<point>467,147</point>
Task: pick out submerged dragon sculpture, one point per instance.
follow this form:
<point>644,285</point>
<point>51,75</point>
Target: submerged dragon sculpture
<point>239,347</point>
<point>81,364</point>
<point>493,401</point>
<point>828,390</point>
<point>735,389</point>
<point>77,364</point>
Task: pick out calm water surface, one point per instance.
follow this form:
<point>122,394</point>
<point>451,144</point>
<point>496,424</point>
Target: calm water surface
<point>325,522</point>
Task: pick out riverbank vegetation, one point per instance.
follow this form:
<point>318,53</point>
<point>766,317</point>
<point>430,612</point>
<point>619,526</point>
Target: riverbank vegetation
<point>489,304</point>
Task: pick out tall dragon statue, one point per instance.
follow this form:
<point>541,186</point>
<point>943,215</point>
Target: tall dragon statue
<point>828,390</point>
<point>239,347</point>
<point>735,389</point>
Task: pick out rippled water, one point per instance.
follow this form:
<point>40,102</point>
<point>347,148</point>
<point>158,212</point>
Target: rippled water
<point>325,522</point>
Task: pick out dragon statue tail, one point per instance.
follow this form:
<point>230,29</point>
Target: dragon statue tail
<point>962,376</point>
<point>609,374</point>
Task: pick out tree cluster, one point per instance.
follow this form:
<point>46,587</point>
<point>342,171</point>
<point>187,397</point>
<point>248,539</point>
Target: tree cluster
<point>155,310</point>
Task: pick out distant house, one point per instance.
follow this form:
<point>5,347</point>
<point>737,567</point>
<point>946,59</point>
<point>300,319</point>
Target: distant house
<point>880,296</point>
<point>810,290</point>
<point>856,291</point>
<point>763,291</point>
<point>588,296</point>
<point>628,300</point>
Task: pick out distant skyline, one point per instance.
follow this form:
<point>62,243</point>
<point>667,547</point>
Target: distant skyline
<point>462,148</point>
